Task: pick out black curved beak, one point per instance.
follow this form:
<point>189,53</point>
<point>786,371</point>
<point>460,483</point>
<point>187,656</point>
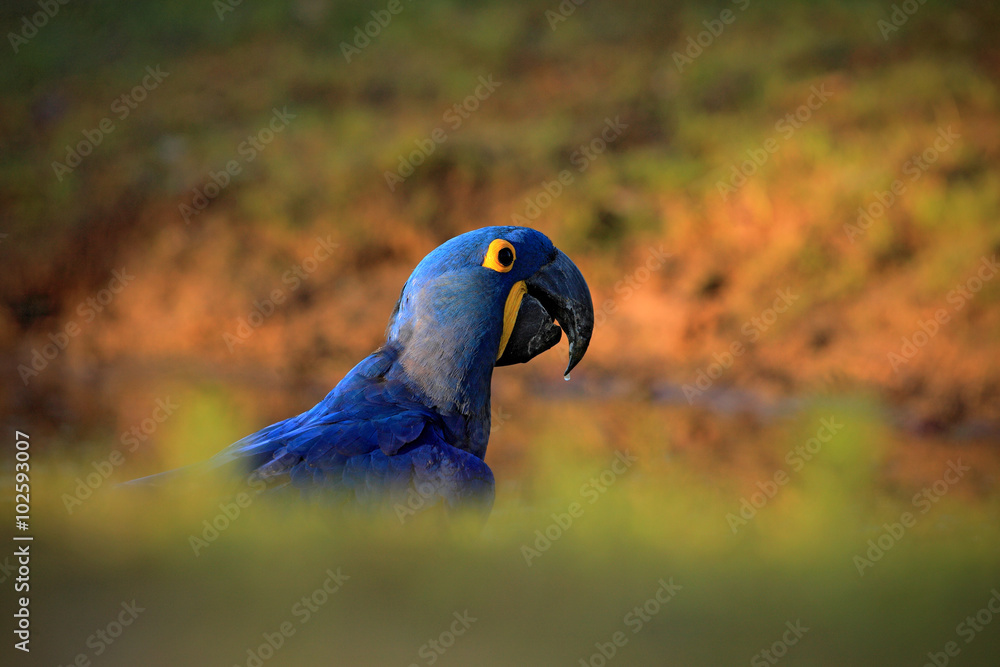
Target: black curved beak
<point>557,291</point>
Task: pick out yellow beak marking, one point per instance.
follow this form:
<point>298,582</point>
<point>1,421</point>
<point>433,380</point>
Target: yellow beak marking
<point>510,309</point>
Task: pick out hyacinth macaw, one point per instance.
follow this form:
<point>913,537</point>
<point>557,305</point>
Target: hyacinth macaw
<point>414,416</point>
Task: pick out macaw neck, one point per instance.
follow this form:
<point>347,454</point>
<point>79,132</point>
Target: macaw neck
<point>447,337</point>
<point>456,384</point>
<point>455,378</point>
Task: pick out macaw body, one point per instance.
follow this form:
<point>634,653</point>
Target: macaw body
<point>374,438</point>
<point>414,416</point>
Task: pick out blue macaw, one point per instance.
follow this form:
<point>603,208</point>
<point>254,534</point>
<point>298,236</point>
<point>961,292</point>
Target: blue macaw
<point>414,416</point>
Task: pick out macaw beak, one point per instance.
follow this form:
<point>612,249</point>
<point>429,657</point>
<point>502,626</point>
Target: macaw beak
<point>557,291</point>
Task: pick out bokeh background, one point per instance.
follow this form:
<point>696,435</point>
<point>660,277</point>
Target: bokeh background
<point>722,172</point>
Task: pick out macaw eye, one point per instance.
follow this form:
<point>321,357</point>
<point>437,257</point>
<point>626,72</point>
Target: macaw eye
<point>500,256</point>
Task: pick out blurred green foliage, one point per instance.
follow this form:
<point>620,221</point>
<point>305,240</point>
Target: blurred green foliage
<point>794,560</point>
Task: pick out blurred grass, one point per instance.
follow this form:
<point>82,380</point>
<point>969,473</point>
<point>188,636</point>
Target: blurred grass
<point>658,519</point>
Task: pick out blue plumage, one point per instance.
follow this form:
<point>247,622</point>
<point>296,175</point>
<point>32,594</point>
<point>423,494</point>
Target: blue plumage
<point>414,416</point>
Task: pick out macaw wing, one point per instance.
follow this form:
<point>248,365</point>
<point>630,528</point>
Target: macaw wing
<point>362,412</point>
<point>325,441</point>
<point>401,459</point>
<point>370,438</point>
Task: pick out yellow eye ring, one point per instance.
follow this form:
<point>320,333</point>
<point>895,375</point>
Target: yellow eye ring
<point>500,256</point>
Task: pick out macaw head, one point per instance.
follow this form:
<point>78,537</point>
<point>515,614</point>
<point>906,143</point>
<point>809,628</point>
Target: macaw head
<point>489,297</point>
